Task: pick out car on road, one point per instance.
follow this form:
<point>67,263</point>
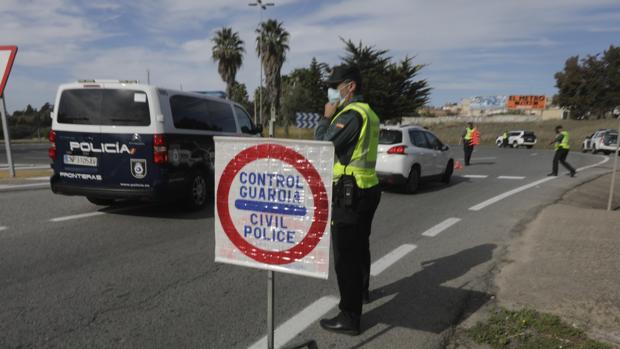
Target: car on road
<point>596,141</point>
<point>116,139</point>
<point>408,155</point>
<point>518,138</point>
<point>607,143</point>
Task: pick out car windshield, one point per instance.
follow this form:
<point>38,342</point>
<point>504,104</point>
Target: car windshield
<point>390,137</point>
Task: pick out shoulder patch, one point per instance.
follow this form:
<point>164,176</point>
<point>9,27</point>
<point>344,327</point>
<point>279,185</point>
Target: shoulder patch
<point>339,125</point>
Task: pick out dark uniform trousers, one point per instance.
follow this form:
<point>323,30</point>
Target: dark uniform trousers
<point>350,236</point>
<point>560,156</point>
<point>468,148</point>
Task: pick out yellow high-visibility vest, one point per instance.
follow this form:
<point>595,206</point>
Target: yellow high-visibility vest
<point>564,143</point>
<point>364,158</point>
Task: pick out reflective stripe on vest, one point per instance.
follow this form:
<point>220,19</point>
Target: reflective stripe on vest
<point>364,158</point>
<point>564,143</point>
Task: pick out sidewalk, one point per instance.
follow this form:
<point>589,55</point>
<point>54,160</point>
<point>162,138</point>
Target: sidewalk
<point>567,262</point>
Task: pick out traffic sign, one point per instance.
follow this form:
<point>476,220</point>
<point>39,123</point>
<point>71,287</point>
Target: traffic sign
<point>7,56</point>
<point>273,203</point>
<point>307,120</point>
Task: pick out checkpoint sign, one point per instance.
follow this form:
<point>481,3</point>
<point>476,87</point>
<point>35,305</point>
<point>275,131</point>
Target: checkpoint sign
<point>273,204</point>
<point>7,56</point>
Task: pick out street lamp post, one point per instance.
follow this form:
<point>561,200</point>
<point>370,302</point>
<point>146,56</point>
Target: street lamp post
<point>261,6</point>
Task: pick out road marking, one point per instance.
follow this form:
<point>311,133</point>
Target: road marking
<point>605,159</point>
<point>5,187</point>
<point>293,326</point>
<point>3,228</point>
<point>99,213</point>
<point>500,197</point>
<point>77,216</point>
<point>434,231</point>
<point>510,177</point>
<point>534,154</point>
<point>475,176</point>
<point>386,261</point>
<point>44,178</point>
<point>309,315</point>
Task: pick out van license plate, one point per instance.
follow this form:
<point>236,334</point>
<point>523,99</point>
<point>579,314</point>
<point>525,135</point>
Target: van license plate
<point>80,160</point>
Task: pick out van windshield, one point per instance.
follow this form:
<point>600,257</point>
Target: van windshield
<point>106,107</point>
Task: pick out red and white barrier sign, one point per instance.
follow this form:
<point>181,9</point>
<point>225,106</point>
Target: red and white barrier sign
<point>273,204</point>
<point>7,56</point>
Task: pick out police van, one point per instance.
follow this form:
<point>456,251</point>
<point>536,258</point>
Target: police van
<point>113,140</point>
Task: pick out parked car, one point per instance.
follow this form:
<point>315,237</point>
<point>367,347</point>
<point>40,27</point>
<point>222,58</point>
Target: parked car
<point>410,154</point>
<point>115,140</point>
<point>596,140</point>
<point>519,138</point>
<point>607,143</point>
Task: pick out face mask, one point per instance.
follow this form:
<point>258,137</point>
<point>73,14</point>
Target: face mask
<point>333,95</point>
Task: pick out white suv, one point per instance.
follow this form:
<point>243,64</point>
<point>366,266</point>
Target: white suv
<point>517,139</point>
<point>409,154</point>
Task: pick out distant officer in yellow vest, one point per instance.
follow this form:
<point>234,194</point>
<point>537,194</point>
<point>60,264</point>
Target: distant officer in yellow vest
<point>471,138</point>
<point>562,147</point>
<point>353,127</point>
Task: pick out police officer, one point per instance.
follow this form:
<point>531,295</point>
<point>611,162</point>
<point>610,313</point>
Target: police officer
<point>505,139</point>
<point>562,147</point>
<point>468,142</point>
<point>353,127</point>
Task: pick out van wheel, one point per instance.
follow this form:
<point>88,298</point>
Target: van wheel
<point>100,202</point>
<point>197,191</point>
<point>447,175</point>
<point>413,181</point>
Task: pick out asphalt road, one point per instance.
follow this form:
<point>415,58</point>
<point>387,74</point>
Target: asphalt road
<point>144,277</point>
<point>25,154</point>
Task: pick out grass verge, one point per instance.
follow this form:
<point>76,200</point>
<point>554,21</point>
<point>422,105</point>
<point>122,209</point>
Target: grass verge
<point>530,329</point>
<point>24,173</point>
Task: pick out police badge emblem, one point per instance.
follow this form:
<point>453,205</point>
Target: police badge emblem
<point>138,168</point>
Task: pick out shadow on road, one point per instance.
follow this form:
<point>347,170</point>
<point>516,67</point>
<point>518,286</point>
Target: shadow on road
<point>421,302</point>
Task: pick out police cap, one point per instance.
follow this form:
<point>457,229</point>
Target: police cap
<point>342,73</point>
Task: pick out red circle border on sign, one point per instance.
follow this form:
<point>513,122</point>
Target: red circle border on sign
<point>319,194</point>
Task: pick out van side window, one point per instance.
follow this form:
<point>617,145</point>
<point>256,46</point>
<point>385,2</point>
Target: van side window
<point>201,114</point>
<point>245,122</point>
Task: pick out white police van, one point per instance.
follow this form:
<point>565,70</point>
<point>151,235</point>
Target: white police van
<point>118,139</point>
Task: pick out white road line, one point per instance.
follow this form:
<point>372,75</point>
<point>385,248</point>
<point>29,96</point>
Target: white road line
<point>510,177</point>
<point>500,197</point>
<point>44,178</point>
<point>474,176</point>
<point>77,216</point>
<point>3,228</point>
<point>434,231</point>
<point>386,261</point>
<point>534,154</point>
<point>605,159</point>
<point>293,326</point>
<point>4,187</point>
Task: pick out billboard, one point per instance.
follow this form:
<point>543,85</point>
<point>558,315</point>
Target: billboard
<point>526,102</point>
<point>488,102</point>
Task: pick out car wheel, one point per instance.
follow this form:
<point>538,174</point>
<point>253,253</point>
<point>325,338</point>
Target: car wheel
<point>413,181</point>
<point>100,201</point>
<point>197,191</point>
<point>530,146</point>
<point>515,145</point>
<point>607,152</point>
<point>447,175</point>
<point>499,144</point>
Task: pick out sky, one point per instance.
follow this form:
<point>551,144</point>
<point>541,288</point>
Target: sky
<point>470,47</point>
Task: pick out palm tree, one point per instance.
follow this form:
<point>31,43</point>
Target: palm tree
<point>271,46</point>
<point>228,53</point>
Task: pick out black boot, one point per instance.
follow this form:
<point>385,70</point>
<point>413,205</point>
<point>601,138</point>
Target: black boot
<point>344,322</point>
